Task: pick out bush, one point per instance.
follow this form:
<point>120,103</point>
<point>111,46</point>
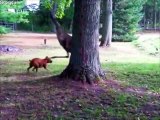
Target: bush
<point>4,30</point>
<point>42,23</point>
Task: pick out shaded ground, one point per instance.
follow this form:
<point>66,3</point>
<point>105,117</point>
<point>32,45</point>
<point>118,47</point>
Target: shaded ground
<point>54,98</point>
<point>39,97</point>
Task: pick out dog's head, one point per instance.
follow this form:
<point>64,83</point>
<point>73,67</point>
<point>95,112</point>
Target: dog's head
<point>48,59</point>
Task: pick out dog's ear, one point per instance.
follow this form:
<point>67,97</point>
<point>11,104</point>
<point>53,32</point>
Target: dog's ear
<point>46,56</point>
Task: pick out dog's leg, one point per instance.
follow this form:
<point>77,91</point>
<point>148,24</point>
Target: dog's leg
<point>45,67</point>
<point>36,69</point>
<point>33,69</point>
<point>29,68</point>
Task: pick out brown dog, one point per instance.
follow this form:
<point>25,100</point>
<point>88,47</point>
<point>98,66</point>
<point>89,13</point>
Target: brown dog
<point>39,63</point>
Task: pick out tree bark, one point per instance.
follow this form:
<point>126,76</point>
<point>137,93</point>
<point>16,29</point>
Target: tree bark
<point>53,13</point>
<point>144,18</point>
<point>159,21</point>
<point>84,64</point>
<point>154,15</point>
<point>107,23</point>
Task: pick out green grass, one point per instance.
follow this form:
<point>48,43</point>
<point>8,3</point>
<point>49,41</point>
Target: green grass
<point>123,105</point>
<point>13,68</point>
<point>141,75</point>
<point>134,74</point>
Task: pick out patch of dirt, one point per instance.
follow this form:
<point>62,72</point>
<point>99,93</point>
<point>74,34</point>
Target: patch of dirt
<point>29,42</point>
<point>9,49</point>
<point>27,39</point>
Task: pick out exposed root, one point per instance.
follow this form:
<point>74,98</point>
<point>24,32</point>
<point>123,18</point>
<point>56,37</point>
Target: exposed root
<point>83,74</point>
<point>102,43</point>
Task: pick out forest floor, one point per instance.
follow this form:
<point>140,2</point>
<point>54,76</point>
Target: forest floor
<point>131,90</point>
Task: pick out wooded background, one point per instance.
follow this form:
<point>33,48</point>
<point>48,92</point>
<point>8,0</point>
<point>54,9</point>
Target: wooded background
<point>129,17</point>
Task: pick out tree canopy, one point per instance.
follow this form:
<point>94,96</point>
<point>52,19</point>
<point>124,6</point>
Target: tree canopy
<point>126,16</point>
<point>61,6</point>
<point>12,13</point>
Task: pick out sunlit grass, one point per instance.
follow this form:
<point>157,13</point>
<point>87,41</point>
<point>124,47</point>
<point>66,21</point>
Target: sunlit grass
<point>134,74</point>
<point>141,75</point>
<point>150,45</point>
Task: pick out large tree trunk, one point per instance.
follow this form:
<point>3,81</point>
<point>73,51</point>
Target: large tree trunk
<point>84,62</point>
<point>107,23</point>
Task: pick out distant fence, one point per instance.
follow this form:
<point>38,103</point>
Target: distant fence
<point>12,26</point>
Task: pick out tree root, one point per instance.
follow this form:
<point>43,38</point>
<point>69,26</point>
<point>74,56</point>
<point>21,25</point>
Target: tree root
<point>84,74</point>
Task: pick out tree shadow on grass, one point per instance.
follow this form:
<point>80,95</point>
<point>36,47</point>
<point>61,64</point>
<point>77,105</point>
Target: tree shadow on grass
<point>52,97</point>
<point>36,99</point>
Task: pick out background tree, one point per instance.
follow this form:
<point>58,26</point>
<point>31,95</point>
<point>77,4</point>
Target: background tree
<point>40,19</point>
<point>151,19</point>
<point>67,20</point>
<point>106,23</point>
<point>84,62</point>
<point>13,17</point>
<point>61,6</point>
<point>126,17</point>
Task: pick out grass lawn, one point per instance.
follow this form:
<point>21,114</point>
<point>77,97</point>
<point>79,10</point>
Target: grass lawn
<point>149,43</point>
<point>131,90</point>
<point>134,74</point>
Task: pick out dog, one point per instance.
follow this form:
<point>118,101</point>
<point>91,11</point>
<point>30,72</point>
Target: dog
<point>39,63</point>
